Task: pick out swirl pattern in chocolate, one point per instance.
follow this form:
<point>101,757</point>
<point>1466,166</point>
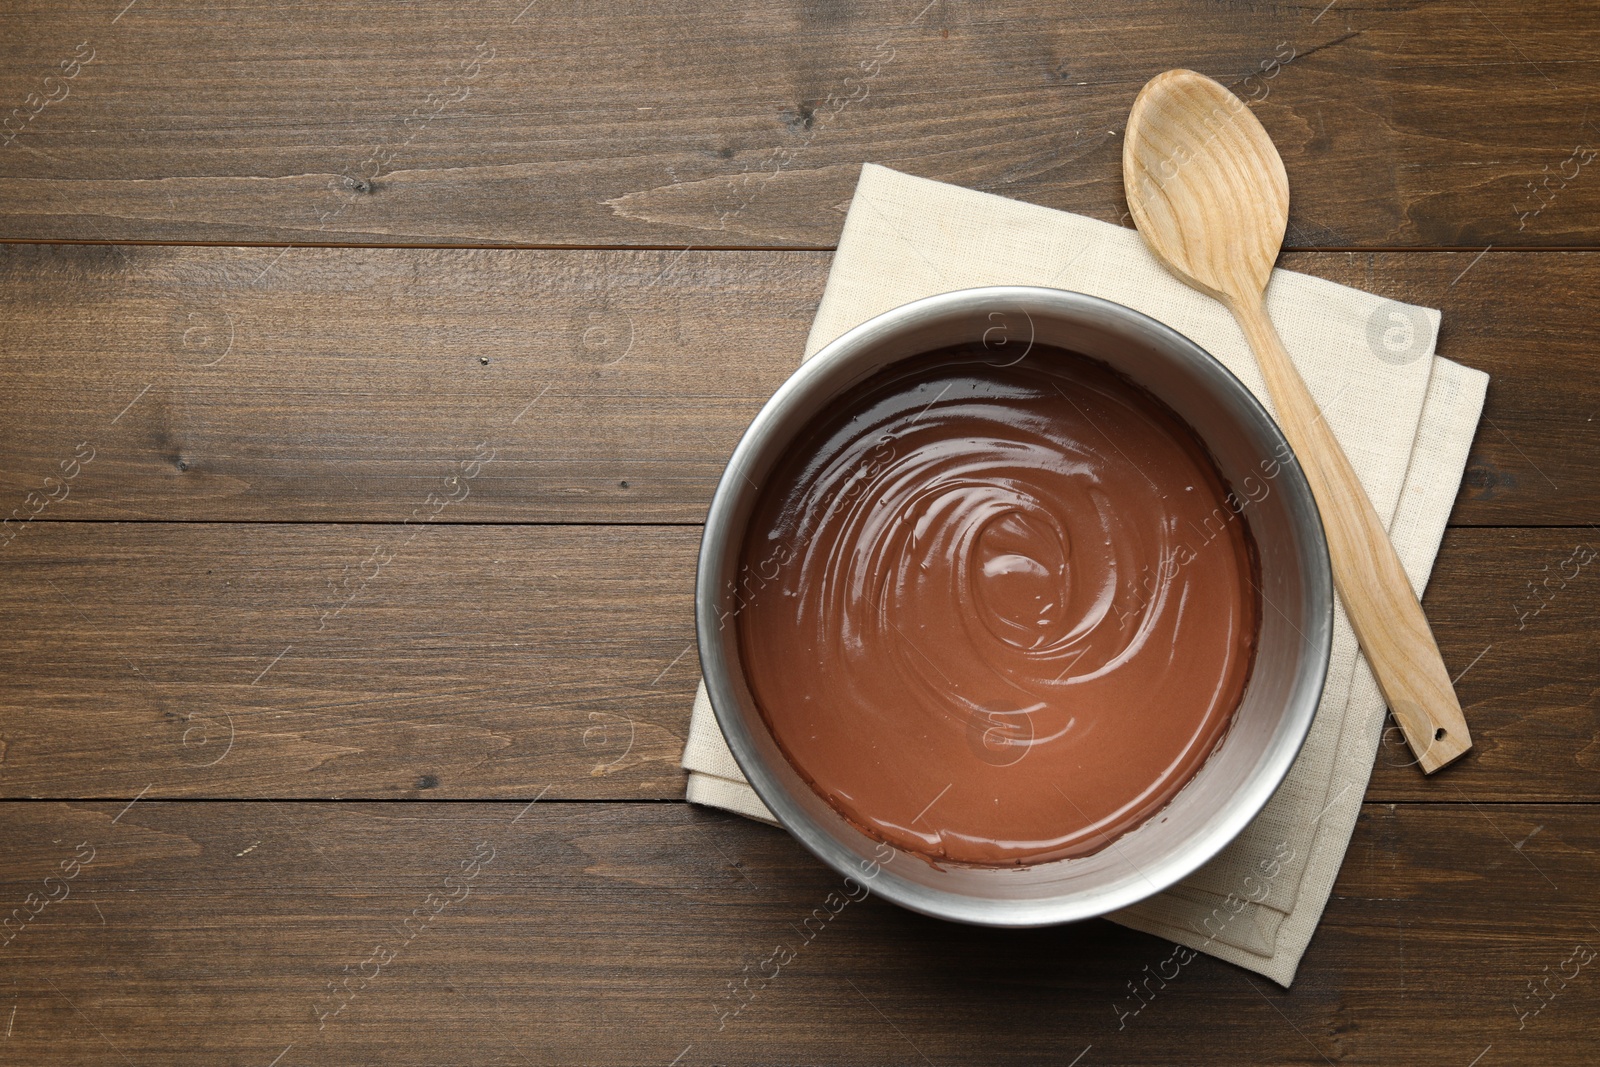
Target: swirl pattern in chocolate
<point>997,614</point>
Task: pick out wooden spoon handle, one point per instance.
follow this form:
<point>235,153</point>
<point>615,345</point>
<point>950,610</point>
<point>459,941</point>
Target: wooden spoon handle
<point>1377,595</point>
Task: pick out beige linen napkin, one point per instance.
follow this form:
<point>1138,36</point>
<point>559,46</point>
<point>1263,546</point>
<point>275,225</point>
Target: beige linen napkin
<point>1404,416</point>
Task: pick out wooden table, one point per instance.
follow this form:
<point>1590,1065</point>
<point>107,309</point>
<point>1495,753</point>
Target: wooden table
<point>368,369</point>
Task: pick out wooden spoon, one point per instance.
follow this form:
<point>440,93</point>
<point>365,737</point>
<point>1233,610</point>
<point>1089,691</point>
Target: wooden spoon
<point>1208,191</point>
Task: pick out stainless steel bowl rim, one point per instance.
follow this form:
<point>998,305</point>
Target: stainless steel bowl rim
<point>719,538</point>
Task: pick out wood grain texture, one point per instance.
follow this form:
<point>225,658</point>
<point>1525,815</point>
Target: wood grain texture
<point>608,934</point>
<point>738,125</point>
<point>1376,591</point>
<point>297,482</point>
<point>1206,186</point>
<point>342,385</point>
<point>496,661</point>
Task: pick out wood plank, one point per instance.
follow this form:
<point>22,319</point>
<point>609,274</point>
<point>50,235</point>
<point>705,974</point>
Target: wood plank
<point>495,661</point>
<point>608,934</point>
<point>342,385</point>
<point>1417,124</point>
<point>382,661</point>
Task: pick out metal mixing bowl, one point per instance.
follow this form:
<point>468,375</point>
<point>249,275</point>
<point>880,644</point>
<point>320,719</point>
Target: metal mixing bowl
<point>1296,620</point>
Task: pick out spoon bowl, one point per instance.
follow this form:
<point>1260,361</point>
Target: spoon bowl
<point>1213,197</point>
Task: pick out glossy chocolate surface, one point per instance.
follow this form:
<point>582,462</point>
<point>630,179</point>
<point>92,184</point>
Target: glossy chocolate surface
<point>997,614</point>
